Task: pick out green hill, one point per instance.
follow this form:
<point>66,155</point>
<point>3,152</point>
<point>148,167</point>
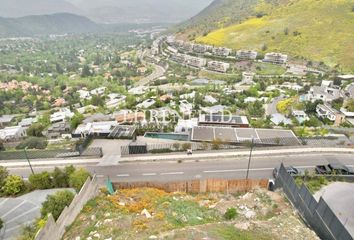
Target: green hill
<point>321,30</point>
<point>46,24</point>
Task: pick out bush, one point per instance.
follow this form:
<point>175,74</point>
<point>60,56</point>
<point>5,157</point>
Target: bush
<point>3,175</point>
<point>230,214</point>
<point>2,147</point>
<point>33,143</point>
<point>161,150</point>
<point>56,203</point>
<point>1,223</point>
<point>13,185</point>
<point>41,180</point>
<point>78,178</point>
<point>186,146</point>
<point>60,179</point>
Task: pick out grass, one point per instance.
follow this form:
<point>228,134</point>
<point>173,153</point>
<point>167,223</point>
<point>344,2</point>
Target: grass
<point>314,184</point>
<point>269,69</point>
<point>317,30</point>
<point>231,233</point>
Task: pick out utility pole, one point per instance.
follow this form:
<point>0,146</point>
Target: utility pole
<point>29,163</point>
<point>249,159</point>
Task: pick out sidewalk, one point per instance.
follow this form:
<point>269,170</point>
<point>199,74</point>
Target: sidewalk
<point>56,162</point>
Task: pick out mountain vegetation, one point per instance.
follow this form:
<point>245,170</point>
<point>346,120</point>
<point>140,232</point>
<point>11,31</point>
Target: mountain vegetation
<point>320,30</point>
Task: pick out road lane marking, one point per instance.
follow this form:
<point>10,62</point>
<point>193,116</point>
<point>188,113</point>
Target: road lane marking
<point>123,175</point>
<point>172,173</point>
<point>237,170</point>
<point>149,174</point>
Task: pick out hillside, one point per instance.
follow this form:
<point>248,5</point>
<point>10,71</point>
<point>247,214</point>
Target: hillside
<point>46,24</point>
<point>21,8</point>
<point>318,30</point>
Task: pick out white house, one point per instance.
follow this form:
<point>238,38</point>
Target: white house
<point>138,90</point>
<point>247,77</point>
<point>12,133</point>
<point>279,118</point>
<point>210,99</point>
<point>185,126</point>
<point>98,91</point>
<point>327,92</point>
<point>146,104</point>
<point>115,102</point>
<point>214,109</point>
<point>61,115</point>
<point>221,51</point>
<point>250,99</point>
<point>246,55</point>
<point>277,58</point>
<point>185,107</point>
<point>188,95</point>
<point>84,94</point>
<point>300,116</point>
<point>327,112</point>
<point>218,66</point>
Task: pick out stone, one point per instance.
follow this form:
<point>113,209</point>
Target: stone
<point>108,221</point>
<point>242,226</point>
<point>78,238</point>
<point>146,213</point>
<point>97,235</point>
<point>107,214</point>
<point>250,214</point>
<point>153,237</point>
<point>93,217</point>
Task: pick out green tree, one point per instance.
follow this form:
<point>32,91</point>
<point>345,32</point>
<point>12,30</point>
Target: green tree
<point>56,203</point>
<point>76,120</point>
<point>78,178</point>
<point>337,103</point>
<point>350,105</point>
<point>2,147</point>
<point>41,180</point>
<point>33,143</point>
<point>255,109</point>
<point>60,178</point>
<point>13,185</point>
<point>35,130</point>
<point>4,173</point>
<point>86,71</point>
<point>97,101</point>
<point>230,214</point>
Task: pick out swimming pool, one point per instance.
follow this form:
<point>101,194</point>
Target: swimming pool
<point>169,136</point>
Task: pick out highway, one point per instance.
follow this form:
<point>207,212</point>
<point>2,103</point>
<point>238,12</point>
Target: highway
<point>261,167</point>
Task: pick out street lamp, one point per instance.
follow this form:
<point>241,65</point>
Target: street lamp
<point>249,159</point>
<point>29,163</point>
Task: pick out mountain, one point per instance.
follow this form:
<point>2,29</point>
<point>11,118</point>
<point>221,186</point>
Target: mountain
<point>320,30</point>
<point>140,11</point>
<point>21,8</point>
<point>59,23</point>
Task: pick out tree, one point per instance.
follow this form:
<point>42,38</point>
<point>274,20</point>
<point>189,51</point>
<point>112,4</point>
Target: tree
<point>350,105</point>
<point>56,203</point>
<point>337,103</point>
<point>4,173</point>
<point>86,71</point>
<point>33,143</point>
<point>313,122</point>
<point>2,147</point>
<point>230,214</point>
<point>35,130</point>
<point>255,109</point>
<point>13,185</point>
<point>97,100</point>
<point>78,178</point>
<point>60,178</point>
<point>41,180</point>
<point>76,120</point>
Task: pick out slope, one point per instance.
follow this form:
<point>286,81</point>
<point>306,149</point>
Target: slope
<point>321,30</point>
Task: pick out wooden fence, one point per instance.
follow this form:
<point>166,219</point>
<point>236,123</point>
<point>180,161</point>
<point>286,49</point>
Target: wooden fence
<point>199,186</point>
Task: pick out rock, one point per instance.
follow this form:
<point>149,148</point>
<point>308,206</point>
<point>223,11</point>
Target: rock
<point>153,237</point>
<point>121,204</point>
<point>78,238</point>
<point>108,221</point>
<point>89,238</point>
<point>99,223</point>
<point>184,218</point>
<point>92,233</point>
<point>93,217</point>
<point>250,214</point>
<point>97,235</point>
<point>107,214</point>
<point>146,213</point>
<point>242,226</point>
<point>199,218</point>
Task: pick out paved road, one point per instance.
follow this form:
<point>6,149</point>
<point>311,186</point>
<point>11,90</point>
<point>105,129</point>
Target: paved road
<point>261,167</point>
<point>272,107</point>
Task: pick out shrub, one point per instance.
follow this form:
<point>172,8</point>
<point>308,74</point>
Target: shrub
<point>78,178</point>
<point>60,179</point>
<point>230,214</point>
<point>186,146</point>
<point>1,223</point>
<point>41,180</point>
<point>36,130</point>
<point>33,143</point>
<point>13,185</point>
<point>162,150</point>
<point>2,147</point>
<point>56,203</point>
<point>3,175</point>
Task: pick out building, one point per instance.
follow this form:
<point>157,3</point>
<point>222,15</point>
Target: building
<point>185,107</point>
<point>327,92</point>
<point>138,90</point>
<point>247,77</point>
<point>223,120</point>
<point>278,118</point>
<point>327,112</point>
<point>276,58</point>
<point>130,117</point>
<point>115,102</point>
<point>210,99</point>
<point>185,126</point>
<point>214,109</point>
<point>84,94</point>
<point>218,66</point>
<point>57,130</point>
<point>27,122</point>
<point>6,120</point>
<point>300,116</point>
<point>179,58</point>
<point>146,104</point>
<point>10,134</point>
<point>98,91</point>
<point>221,51</point>
<point>195,61</point>
<point>200,48</point>
<point>61,115</point>
<point>246,55</point>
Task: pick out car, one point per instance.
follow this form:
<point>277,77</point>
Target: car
<point>334,168</point>
<point>291,170</point>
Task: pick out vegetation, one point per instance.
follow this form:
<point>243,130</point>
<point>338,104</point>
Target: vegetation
<point>56,203</point>
<point>33,143</point>
<point>41,180</point>
<point>13,185</point>
<point>231,213</point>
<point>1,224</point>
<point>78,178</point>
<point>304,20</point>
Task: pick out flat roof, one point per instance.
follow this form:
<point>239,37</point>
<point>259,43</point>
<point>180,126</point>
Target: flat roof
<point>239,135</point>
<point>219,118</point>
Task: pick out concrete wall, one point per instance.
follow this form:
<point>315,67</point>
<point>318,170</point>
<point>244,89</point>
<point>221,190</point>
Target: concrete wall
<point>55,230</point>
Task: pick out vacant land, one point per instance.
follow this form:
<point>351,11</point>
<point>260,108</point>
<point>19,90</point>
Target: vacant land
<point>148,213</point>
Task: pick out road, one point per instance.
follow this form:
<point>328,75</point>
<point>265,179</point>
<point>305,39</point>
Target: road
<point>261,167</point>
<point>272,107</point>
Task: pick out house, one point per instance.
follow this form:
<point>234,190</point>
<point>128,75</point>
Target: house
<point>221,51</point>
<point>98,91</point>
<point>276,58</point>
<point>138,90</point>
<point>99,129</point>
<point>247,77</point>
<point>61,115</point>
<point>246,55</point>
<point>223,120</point>
<point>27,122</point>
<point>327,92</point>
<point>185,126</point>
<point>185,107</point>
<point>327,112</point>
<point>57,130</point>
<point>210,99</point>
<point>6,120</point>
<point>300,116</point>
<point>10,134</point>
<point>142,70</point>
<point>85,109</point>
<point>297,69</point>
<point>98,117</point>
<point>349,91</point>
<point>188,95</point>
<point>347,77</point>
<point>115,102</point>
<point>130,117</point>
<point>146,104</point>
<point>218,66</point>
<point>250,99</point>
<point>59,102</point>
<point>166,97</point>
<point>214,109</point>
<point>84,94</point>
<point>278,118</point>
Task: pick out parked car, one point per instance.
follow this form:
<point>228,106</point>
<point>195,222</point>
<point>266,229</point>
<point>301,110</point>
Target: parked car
<point>291,170</point>
<point>334,168</point>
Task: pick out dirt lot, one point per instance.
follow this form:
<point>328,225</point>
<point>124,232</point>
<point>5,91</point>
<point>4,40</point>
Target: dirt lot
<point>154,214</point>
